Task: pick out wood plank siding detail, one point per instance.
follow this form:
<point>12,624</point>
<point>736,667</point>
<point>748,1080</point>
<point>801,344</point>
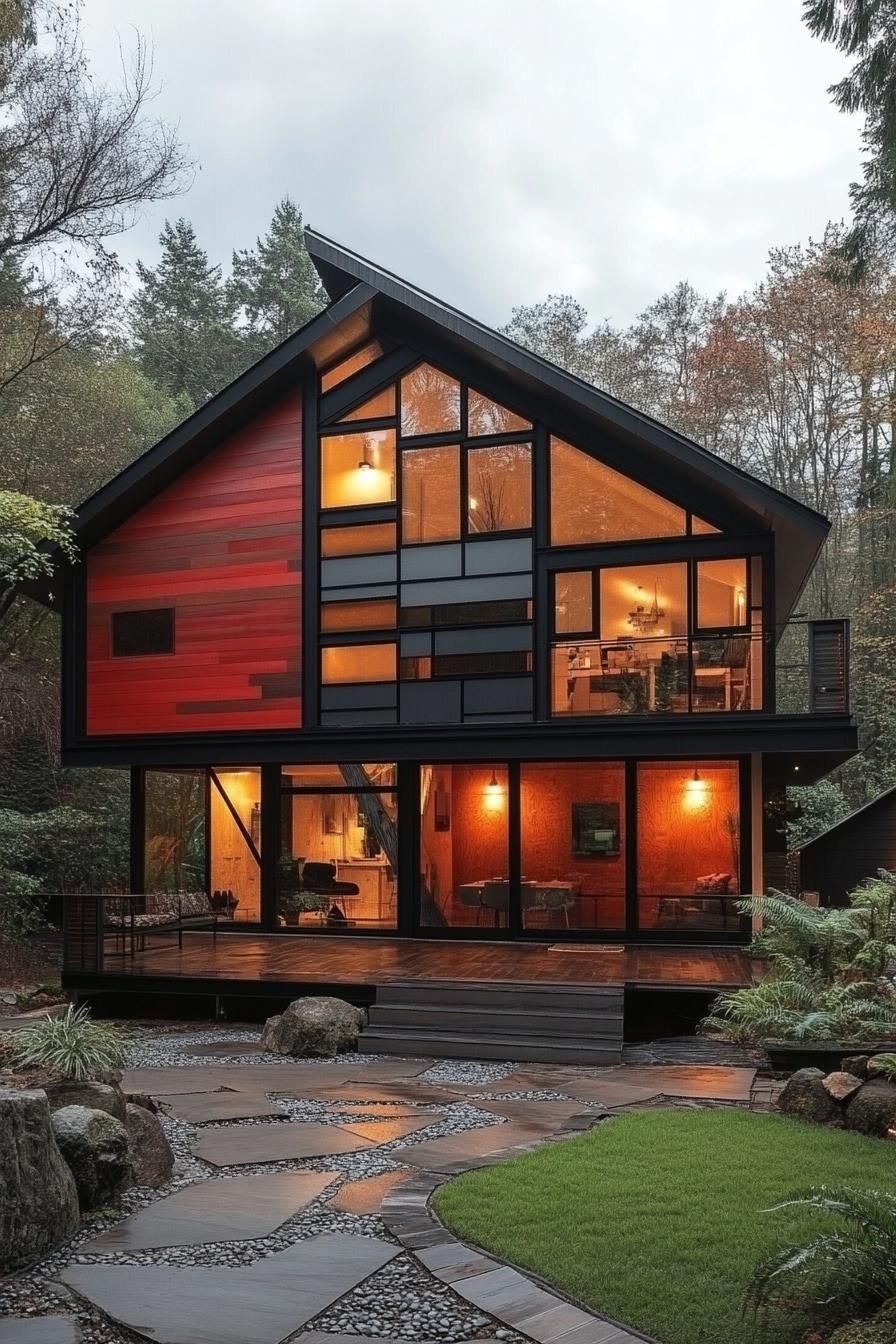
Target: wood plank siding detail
<point>222,545</point>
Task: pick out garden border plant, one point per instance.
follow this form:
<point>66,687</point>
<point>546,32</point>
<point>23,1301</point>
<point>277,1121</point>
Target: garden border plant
<point>831,973</point>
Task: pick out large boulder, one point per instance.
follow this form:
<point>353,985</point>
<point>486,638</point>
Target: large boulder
<point>856,1064</point>
<point>152,1160</point>
<point>96,1096</point>
<point>873,1110</point>
<point>805,1097</point>
<point>38,1198</point>
<point>95,1146</point>
<point>314,1026</point>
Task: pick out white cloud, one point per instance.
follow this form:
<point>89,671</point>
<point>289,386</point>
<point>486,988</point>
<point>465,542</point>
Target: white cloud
<point>497,150</point>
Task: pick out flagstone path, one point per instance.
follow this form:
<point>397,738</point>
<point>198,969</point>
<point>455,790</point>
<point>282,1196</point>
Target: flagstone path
<point>300,1202</point>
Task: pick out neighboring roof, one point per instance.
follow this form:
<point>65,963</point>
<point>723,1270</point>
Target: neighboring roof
<point>845,821</point>
<point>353,285</point>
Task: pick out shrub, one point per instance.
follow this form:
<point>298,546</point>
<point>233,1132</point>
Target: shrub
<point>828,975</point>
<point>839,1277</point>
<point>74,1045</point>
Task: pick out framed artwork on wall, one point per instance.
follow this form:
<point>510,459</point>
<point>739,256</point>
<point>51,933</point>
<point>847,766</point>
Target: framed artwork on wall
<point>595,830</point>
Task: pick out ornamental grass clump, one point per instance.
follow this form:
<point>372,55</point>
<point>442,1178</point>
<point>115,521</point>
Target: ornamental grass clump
<point>72,1045</point>
<point>843,1276</point>
<point>829,976</point>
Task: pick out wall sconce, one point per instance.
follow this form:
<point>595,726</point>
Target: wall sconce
<point>740,605</point>
<point>696,792</point>
<point>494,794</point>
<point>365,464</point>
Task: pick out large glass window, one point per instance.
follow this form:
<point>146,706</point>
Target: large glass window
<point>590,502</point>
<point>175,835</point>
<point>339,847</point>
<point>357,468</point>
<point>430,402</point>
<point>689,845</point>
<point>430,494</point>
<point>644,654</point>
<point>365,539</point>
<point>464,847</point>
<point>485,416</point>
<point>573,838</point>
<point>499,487</point>
<point>235,797</point>
<point>378,407</point>
<point>722,594</point>
<point>356,663</point>
<point>353,363</point>
<point>573,602</point>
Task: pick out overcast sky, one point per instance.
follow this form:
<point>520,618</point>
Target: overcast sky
<point>495,151</point>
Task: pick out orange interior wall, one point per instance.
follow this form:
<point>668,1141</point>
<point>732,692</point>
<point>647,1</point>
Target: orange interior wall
<point>547,795</point>
<point>683,825</point>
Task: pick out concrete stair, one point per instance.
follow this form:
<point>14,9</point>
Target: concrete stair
<point>460,1019</point>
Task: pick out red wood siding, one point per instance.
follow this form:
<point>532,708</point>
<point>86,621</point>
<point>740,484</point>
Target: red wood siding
<point>222,545</point>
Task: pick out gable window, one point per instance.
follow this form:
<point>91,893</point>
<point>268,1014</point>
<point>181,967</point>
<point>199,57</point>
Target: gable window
<point>485,416</point>
<point>430,402</point>
<point>379,407</point>
<point>353,363</point>
<point>590,502</point>
<point>430,494</point>
<point>499,488</point>
<point>358,468</point>
<point>137,634</point>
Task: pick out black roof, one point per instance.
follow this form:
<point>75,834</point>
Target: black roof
<point>351,283</point>
<point>850,817</point>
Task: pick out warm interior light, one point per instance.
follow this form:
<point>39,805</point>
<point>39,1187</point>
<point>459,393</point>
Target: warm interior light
<point>474,503</point>
<point>696,791</point>
<point>741,601</point>
<point>494,794</point>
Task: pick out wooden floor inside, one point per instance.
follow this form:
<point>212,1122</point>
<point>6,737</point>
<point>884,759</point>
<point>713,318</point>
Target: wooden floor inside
<point>296,959</point>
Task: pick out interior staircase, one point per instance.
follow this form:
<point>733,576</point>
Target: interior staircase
<point>462,1019</point>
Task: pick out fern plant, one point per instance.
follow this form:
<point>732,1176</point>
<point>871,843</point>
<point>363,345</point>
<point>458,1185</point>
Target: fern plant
<point>827,970</point>
<point>840,1276</point>
<point>73,1045</point>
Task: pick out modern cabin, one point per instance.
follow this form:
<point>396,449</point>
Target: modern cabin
<point>410,635</point>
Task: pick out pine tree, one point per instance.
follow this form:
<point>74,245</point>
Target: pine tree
<point>183,319</point>
<point>866,32</point>
<point>275,283</point>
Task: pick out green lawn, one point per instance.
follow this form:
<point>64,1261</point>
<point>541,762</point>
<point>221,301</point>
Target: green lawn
<point>656,1217</point>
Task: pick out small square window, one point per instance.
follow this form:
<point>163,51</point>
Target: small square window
<point>138,633</point>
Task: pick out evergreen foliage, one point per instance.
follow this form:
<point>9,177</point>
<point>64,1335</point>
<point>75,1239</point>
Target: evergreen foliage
<point>275,283</point>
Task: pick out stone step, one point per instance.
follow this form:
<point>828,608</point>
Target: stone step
<point>487,1045</point>
<point>602,1022</point>
<point>535,998</point>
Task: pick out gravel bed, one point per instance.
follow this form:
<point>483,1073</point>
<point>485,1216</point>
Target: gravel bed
<point>402,1300</point>
<point>173,1049</point>
<point>405,1301</point>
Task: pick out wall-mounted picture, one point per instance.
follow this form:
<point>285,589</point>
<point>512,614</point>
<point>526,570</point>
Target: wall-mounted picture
<point>595,830</point>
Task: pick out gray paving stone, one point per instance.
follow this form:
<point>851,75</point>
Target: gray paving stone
<point>239,1146</point>
<point>261,1303</point>
<point>456,1152</point>
<point>222,1209</point>
<point>203,1107</point>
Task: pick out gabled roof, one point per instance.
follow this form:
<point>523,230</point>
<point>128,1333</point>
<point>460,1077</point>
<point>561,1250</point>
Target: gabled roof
<point>357,289</point>
<point>850,817</point>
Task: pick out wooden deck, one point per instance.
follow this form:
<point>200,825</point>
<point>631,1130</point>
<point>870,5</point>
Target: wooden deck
<point>269,960</point>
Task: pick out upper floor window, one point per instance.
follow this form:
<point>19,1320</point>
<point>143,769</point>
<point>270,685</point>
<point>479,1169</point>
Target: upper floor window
<point>365,539</point>
<point>353,363</point>
<point>430,493</point>
<point>590,502</point>
<point>138,633</point>
<point>430,402</point>
<point>485,416</point>
<point>357,468</point>
<point>499,487</point>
